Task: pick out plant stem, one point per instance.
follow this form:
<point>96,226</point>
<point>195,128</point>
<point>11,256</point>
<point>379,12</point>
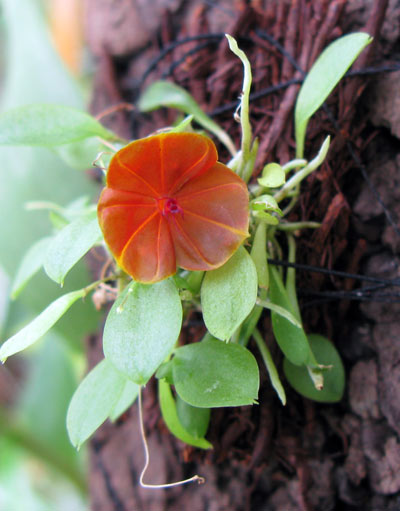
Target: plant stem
<point>269,364</point>
<point>248,153</point>
<point>294,164</point>
<point>96,283</point>
<point>291,277</point>
<point>295,180</point>
<point>295,226</point>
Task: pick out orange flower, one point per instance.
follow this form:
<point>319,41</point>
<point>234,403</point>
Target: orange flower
<point>169,203</point>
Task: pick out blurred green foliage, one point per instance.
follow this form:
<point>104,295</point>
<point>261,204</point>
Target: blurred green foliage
<point>33,439</point>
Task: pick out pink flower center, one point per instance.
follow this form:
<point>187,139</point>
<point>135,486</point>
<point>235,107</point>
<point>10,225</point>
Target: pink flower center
<point>167,205</point>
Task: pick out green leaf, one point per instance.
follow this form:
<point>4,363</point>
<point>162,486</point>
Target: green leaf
<point>183,125</point>
<point>40,325</point>
<point>170,416</point>
<point>273,176</point>
<point>211,374</point>
<point>245,166</point>
<point>265,203</point>
<point>228,294</point>
<point>75,209</point>
<point>165,372</point>
<point>194,420</point>
<point>127,398</point>
<point>323,77</point>
<point>281,311</point>
<point>142,328</point>
<point>81,155</point>
<point>270,366</point>
<point>259,255</point>
<point>30,265</point>
<point>70,244</point>
<point>48,125</point>
<point>334,378</point>
<point>166,94</point>
<point>267,218</point>
<point>291,339</point>
<point>93,401</point>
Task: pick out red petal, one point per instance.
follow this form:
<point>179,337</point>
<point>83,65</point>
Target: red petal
<point>185,155</point>
<point>214,221</point>
<point>136,167</point>
<point>121,214</point>
<point>149,256</point>
<point>159,165</point>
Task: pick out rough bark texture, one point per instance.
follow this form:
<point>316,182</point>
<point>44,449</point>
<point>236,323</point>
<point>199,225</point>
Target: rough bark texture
<point>305,456</point>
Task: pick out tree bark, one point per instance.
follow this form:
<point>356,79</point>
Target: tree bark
<point>306,456</point>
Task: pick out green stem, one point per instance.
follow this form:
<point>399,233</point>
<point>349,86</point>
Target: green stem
<point>295,226</point>
<point>94,284</point>
<point>290,206</point>
<point>247,151</point>
<point>291,277</point>
<point>294,164</point>
<point>194,279</point>
<point>249,165</point>
<point>269,364</point>
<point>234,162</point>
<point>249,324</point>
<point>295,180</point>
<point>123,281</point>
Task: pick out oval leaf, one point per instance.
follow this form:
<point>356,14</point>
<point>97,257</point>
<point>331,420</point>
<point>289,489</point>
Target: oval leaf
<point>211,374</point>
<point>323,77</point>
<point>273,176</point>
<point>70,244</point>
<point>93,401</point>
<point>142,328</point>
<point>40,325</point>
<point>334,378</point>
<point>228,294</point>
<point>30,265</point>
<point>48,125</point>
<point>170,416</point>
<point>291,339</point>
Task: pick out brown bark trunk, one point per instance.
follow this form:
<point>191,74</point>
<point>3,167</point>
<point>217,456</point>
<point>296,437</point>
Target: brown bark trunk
<point>306,456</point>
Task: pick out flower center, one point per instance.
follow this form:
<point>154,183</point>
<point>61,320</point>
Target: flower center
<point>168,205</point>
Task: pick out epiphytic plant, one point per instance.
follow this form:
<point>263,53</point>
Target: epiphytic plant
<point>174,220</point>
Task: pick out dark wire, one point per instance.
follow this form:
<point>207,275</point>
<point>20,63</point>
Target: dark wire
<point>171,47</point>
<point>180,61</point>
<point>336,273</point>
